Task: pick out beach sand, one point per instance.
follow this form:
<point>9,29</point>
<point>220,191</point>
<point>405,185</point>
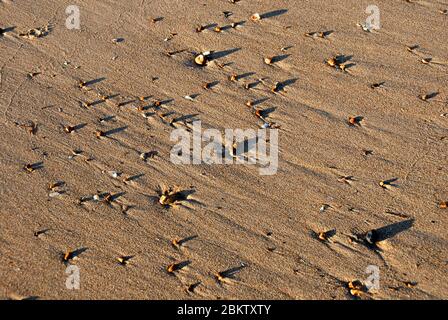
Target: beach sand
<point>246,235</point>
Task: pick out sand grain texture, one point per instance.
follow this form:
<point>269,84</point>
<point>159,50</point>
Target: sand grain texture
<point>235,217</point>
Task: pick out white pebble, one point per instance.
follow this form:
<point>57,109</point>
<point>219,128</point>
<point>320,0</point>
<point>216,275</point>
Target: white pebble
<point>54,194</point>
<point>114,174</point>
<point>266,125</point>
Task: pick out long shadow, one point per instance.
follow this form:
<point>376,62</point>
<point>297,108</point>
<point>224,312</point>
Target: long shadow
<point>327,234</point>
<point>35,166</point>
<point>289,82</point>
<point>114,131</point>
<point>111,96</point>
<point>227,27</point>
<point>212,84</point>
<point>280,58</point>
<point>38,165</point>
<point>107,118</point>
<point>124,103</point>
<point>31,298</point>
<point>272,14</point>
<point>94,81</point>
<point>432,95</point>
<point>163,102</point>
<point>135,177</point>
<point>77,252</point>
<point>222,54</point>
<point>179,266</point>
<point>265,112</point>
<point>389,231</point>
<point>184,194</point>
<point>230,273</point>
<point>259,101</point>
<point>253,84</point>
<point>72,255</point>
<point>327,33</point>
<point>390,182</point>
<point>146,98</point>
<point>245,75</point>
<point>191,117</point>
<point>240,23</point>
<point>349,65</point>
<point>343,59</point>
<point>210,26</point>
<point>185,240</point>
<point>8,29</point>
<point>114,197</point>
<point>183,264</point>
<point>79,126</point>
<point>194,96</point>
<point>96,102</point>
<point>282,85</point>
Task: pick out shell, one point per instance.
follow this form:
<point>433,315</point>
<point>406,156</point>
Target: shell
<point>322,236</point>
<point>268,60</point>
<point>219,277</point>
<point>171,268</point>
<point>332,62</point>
<point>69,129</point>
<point>114,174</point>
<point>175,243</point>
<point>352,121</point>
<point>29,168</point>
<point>99,134</point>
<point>200,60</point>
<point>255,17</point>
<point>276,87</point>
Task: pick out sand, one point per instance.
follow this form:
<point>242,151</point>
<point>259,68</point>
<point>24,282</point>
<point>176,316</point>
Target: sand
<point>246,236</point>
